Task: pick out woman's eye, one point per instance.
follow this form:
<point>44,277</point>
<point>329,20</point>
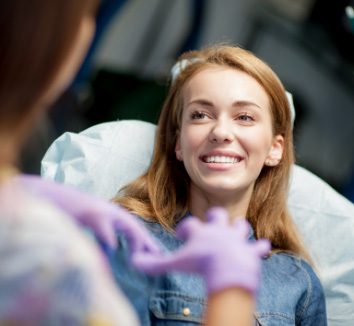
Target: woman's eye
<point>198,115</point>
<point>245,117</point>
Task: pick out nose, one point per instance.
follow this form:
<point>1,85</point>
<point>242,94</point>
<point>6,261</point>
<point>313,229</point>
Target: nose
<point>221,132</point>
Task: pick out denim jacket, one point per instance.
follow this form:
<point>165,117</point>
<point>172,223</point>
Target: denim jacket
<point>290,292</point>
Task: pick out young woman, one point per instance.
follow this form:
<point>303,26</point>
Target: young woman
<point>224,138</point>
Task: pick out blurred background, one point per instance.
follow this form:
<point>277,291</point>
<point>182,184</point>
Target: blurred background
<point>308,43</point>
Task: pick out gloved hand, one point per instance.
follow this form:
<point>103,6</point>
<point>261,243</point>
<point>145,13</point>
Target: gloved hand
<point>218,251</point>
<point>103,217</point>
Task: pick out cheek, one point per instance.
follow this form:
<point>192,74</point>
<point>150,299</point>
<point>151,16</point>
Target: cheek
<point>258,141</point>
<point>191,139</point>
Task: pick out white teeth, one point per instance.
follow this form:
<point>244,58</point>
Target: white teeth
<point>222,159</point>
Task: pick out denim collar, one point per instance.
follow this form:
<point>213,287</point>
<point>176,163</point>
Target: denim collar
<point>251,235</point>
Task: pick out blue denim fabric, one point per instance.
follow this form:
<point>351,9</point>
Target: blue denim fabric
<point>290,292</point>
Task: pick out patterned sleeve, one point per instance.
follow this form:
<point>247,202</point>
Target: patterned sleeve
<point>51,271</point>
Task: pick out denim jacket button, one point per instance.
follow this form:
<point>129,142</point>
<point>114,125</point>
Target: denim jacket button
<point>186,312</point>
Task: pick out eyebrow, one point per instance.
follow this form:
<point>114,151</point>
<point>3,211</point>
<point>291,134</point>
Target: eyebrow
<point>245,103</point>
<point>201,102</point>
<point>241,103</point>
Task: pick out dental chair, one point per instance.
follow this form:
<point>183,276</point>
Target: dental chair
<point>103,158</point>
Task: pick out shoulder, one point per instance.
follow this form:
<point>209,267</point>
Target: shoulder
<point>289,261</point>
<point>294,268</point>
<point>289,284</point>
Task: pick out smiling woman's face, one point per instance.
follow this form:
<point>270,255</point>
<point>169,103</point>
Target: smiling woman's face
<point>226,132</point>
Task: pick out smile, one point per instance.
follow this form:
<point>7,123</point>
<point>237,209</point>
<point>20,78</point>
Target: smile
<point>221,159</point>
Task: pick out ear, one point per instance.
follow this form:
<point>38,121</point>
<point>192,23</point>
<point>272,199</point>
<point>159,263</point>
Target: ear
<point>276,151</point>
<point>178,150</point>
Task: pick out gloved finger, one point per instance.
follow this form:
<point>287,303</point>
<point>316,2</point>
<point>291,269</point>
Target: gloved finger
<point>143,243</point>
<point>182,260</point>
<point>139,239</point>
<point>152,263</point>
<point>187,227</point>
<point>242,227</point>
<point>120,212</point>
<point>104,230</point>
<point>217,215</point>
<point>262,247</point>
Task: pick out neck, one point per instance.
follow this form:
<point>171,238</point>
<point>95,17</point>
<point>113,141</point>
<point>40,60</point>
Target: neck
<point>6,172</point>
<point>13,135</point>
<point>8,150</point>
<point>9,153</point>
<point>236,203</point>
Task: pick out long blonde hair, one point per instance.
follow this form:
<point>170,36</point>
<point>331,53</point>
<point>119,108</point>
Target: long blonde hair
<point>162,193</point>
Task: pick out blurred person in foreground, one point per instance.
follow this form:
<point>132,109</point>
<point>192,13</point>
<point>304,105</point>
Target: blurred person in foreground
<point>52,273</point>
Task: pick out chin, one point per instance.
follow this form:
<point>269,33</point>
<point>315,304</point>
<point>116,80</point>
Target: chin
<point>227,188</point>
<point>224,188</point>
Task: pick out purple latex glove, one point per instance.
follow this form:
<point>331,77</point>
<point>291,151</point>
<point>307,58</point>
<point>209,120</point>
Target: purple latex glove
<point>218,251</point>
<point>103,217</point>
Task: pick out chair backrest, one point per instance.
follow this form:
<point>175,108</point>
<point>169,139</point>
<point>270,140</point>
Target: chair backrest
<point>103,158</point>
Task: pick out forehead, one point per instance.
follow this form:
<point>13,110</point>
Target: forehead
<point>224,84</point>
